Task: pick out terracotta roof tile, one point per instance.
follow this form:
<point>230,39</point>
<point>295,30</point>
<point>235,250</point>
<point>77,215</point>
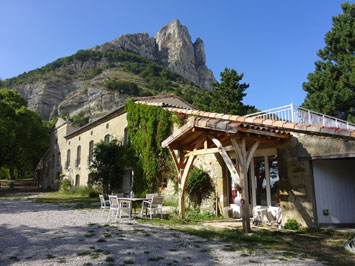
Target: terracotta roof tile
<point>302,127</point>
<point>233,126</point>
<point>212,115</point>
<point>327,130</point>
<point>212,123</point>
<point>226,117</point>
<point>278,123</point>
<point>259,120</point>
<point>289,125</point>
<point>202,122</point>
<point>268,122</point>
<point>343,132</point>
<point>241,118</point>
<point>219,116</point>
<point>249,119</point>
<point>234,117</point>
<point>222,124</point>
<point>314,128</point>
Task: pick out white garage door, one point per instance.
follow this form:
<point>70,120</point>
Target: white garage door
<point>334,182</point>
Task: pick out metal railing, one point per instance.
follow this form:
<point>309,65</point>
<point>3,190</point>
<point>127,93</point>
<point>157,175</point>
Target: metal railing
<point>296,114</point>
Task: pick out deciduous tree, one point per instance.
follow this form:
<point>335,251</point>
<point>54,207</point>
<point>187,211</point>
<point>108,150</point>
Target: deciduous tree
<point>111,159</point>
<point>23,135</point>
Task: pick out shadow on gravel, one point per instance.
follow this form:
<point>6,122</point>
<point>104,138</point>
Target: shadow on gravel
<point>125,243</point>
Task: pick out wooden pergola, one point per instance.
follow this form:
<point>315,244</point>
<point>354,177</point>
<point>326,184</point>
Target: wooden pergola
<point>201,136</point>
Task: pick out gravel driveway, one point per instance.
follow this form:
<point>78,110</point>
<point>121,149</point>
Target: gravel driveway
<point>48,234</point>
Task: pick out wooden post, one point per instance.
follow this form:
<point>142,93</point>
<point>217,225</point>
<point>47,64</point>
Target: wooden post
<point>244,162</point>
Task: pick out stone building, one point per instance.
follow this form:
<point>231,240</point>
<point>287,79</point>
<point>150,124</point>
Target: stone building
<point>305,168</point>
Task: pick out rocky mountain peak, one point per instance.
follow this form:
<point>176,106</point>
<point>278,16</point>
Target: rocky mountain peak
<point>171,47</point>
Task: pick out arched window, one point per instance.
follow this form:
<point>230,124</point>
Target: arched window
<point>91,153</point>
<point>78,156</point>
<point>77,180</point>
<point>107,138</point>
<point>67,163</point>
<point>125,137</point>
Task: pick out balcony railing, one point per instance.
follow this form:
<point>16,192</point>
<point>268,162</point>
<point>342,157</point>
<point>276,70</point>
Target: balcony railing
<point>296,114</point>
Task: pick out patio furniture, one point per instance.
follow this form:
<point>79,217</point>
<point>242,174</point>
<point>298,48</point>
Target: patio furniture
<point>104,204</point>
<point>153,205</point>
<point>119,195</point>
<point>125,204</point>
<point>114,206</point>
<point>132,201</point>
<point>149,196</point>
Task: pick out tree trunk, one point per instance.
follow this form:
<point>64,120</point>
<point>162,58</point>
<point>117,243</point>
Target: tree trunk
<point>12,173</point>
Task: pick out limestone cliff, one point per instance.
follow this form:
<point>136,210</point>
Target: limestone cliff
<point>171,47</point>
<point>76,83</point>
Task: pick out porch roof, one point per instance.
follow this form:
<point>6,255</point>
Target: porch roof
<point>187,136</point>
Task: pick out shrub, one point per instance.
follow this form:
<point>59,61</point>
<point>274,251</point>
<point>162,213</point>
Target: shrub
<point>199,186</point>
<point>292,224</point>
<point>65,184</point>
<point>94,193</point>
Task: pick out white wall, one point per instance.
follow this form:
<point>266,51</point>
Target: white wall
<point>334,182</point>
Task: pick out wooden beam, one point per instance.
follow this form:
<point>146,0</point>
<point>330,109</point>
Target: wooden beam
<point>226,159</point>
<point>209,151</point>
<point>251,153</point>
<point>175,160</point>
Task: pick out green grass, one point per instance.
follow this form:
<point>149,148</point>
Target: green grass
<point>321,245</point>
<point>50,257</point>
<point>61,260</point>
<point>84,253</point>
<point>109,259</point>
<point>155,259</point>
<point>95,256</point>
<point>77,196</point>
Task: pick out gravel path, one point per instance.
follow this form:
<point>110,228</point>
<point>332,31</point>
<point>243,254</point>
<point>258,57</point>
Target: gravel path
<point>48,234</point>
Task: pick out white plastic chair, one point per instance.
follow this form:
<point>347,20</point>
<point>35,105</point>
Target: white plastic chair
<point>125,205</point>
<point>153,205</point>
<point>150,196</point>
<point>114,206</point>
<point>104,204</point>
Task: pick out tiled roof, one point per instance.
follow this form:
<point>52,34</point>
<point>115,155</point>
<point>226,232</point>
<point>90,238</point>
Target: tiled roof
<point>170,100</point>
<point>267,123</point>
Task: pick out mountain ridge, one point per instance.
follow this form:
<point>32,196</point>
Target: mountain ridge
<point>81,82</point>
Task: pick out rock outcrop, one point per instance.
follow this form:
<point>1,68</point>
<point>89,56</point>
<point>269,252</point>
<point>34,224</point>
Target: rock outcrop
<point>68,91</point>
<point>171,47</point>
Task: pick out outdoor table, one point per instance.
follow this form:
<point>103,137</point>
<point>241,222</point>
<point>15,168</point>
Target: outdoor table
<point>133,202</point>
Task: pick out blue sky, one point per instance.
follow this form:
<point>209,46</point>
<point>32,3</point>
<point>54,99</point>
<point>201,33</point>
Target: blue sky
<point>274,43</point>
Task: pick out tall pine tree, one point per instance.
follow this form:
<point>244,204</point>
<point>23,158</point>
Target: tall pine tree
<point>330,89</point>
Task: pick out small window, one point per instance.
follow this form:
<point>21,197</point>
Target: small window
<point>77,180</point>
<point>107,125</point>
<point>78,157</point>
<point>107,138</point>
<point>67,163</point>
<point>91,132</point>
<point>91,153</point>
<point>79,138</point>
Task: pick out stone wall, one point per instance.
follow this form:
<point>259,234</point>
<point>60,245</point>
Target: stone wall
<point>296,173</point>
